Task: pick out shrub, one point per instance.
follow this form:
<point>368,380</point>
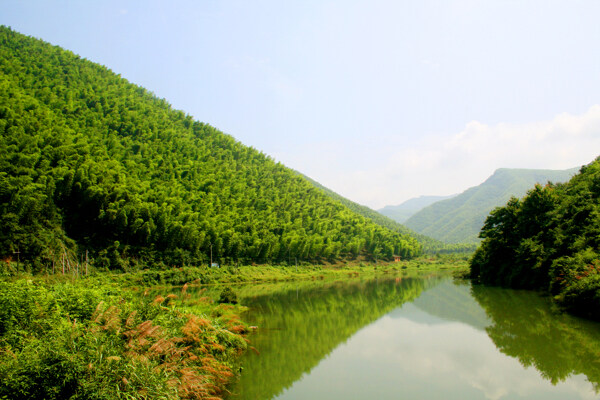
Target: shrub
<point>228,296</point>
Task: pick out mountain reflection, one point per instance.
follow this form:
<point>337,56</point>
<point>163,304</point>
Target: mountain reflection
<point>298,327</point>
<point>413,337</point>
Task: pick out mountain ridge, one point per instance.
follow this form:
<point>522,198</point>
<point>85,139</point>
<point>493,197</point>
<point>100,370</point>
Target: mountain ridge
<point>429,245</point>
<point>403,211</point>
<point>460,218</point>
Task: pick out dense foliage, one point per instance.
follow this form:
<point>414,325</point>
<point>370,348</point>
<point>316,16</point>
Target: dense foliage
<point>549,240</point>
<point>95,168</point>
<point>459,219</point>
<point>58,342</point>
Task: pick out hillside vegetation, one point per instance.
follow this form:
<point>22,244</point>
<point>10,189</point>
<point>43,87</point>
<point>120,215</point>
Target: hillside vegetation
<point>459,219</point>
<point>548,240</point>
<point>95,168</point>
<point>429,244</point>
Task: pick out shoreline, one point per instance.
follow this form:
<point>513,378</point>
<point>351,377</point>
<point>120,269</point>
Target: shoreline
<point>108,332</point>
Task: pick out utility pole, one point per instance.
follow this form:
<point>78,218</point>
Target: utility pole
<point>18,258</point>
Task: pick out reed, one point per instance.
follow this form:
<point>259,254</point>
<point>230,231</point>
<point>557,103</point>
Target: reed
<point>129,346</point>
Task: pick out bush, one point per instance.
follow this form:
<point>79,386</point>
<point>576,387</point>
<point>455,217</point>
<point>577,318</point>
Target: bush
<point>228,296</point>
<point>74,341</point>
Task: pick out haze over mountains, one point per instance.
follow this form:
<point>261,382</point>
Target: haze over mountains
<point>460,218</point>
<point>404,211</point>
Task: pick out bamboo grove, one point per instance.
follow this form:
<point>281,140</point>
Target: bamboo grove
<point>94,166</point>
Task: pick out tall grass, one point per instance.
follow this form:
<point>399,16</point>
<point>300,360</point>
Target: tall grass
<point>61,341</point>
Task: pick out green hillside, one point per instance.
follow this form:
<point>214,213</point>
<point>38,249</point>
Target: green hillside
<point>459,219</point>
<point>548,240</point>
<point>429,244</point>
<point>94,167</point>
<point>404,211</point>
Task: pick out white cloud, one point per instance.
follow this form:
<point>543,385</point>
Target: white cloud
<point>559,143</point>
<point>447,164</point>
<point>399,357</point>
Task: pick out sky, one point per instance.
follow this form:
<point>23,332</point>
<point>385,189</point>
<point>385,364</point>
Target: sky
<point>379,100</point>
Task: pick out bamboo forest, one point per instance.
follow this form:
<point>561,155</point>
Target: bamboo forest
<point>147,255</point>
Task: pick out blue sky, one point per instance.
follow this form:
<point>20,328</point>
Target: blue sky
<point>379,100</point>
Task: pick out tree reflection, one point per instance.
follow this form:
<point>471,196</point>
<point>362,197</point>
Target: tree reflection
<point>526,327</point>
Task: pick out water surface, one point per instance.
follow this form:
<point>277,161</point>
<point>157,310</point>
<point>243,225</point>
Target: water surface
<point>414,338</point>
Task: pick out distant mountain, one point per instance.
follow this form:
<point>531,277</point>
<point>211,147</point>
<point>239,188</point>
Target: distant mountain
<point>429,245</point>
<point>404,211</point>
<point>459,219</point>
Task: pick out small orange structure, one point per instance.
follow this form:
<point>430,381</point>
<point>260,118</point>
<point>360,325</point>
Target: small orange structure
<point>396,258</point>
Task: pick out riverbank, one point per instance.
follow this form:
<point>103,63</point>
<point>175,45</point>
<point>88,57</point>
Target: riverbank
<point>116,335</point>
<point>75,340</point>
<point>268,273</point>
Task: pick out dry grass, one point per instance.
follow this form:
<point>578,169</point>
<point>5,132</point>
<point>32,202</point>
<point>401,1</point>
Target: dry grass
<point>192,356</point>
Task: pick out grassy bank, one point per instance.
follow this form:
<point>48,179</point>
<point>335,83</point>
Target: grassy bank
<point>102,336</point>
<point>204,275</point>
<point>267,273</point>
<point>72,340</point>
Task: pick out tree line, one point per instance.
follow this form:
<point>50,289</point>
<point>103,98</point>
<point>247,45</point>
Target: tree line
<point>549,240</point>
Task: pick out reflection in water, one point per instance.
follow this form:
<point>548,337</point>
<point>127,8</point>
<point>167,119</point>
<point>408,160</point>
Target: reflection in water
<point>557,345</point>
<point>452,301</point>
<point>415,339</point>
<point>299,327</point>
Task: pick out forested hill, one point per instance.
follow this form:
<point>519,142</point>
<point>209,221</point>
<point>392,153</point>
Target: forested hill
<point>459,219</point>
<point>92,164</point>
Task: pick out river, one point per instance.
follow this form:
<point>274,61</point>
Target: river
<point>413,338</point>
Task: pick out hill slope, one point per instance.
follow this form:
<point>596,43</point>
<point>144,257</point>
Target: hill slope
<point>459,219</point>
<point>429,244</point>
<point>92,164</point>
<point>404,211</point>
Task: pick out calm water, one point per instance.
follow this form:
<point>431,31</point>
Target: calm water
<point>414,338</point>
